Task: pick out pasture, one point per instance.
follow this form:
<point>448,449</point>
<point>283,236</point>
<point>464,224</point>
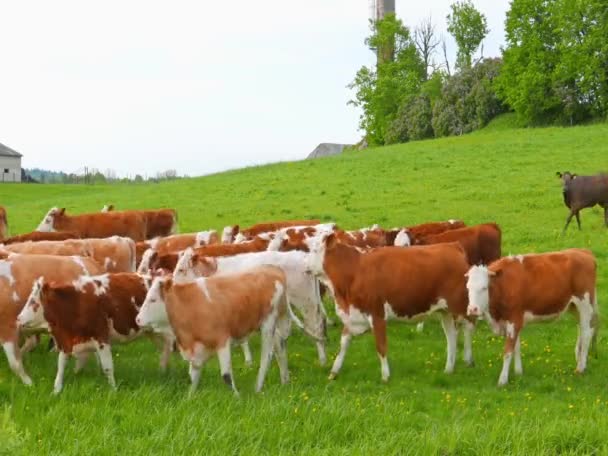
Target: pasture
<point>498,174</point>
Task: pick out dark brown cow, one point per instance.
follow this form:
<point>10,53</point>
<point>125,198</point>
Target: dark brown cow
<point>36,236</point>
<point>230,232</point>
<point>137,225</point>
<point>3,223</point>
<point>581,192</point>
<point>407,283</point>
<point>480,242</point>
<point>409,235</point>
<point>538,287</point>
<point>87,315</point>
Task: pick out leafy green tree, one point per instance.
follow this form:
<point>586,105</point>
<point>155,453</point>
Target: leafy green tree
<point>468,27</point>
<point>380,92</point>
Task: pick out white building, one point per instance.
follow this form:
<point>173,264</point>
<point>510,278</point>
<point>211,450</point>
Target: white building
<point>10,164</point>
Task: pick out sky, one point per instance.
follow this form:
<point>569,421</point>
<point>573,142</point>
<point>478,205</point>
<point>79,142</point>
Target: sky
<point>196,86</point>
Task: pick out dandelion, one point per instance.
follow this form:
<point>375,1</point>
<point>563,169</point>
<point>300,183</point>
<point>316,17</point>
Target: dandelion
<point>570,406</point>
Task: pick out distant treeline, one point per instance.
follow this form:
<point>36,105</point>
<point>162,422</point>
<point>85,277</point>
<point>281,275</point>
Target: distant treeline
<point>93,176</point>
<point>553,70</point>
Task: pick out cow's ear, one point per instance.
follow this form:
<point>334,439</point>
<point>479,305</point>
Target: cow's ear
<point>331,241</point>
<point>235,230</point>
<point>62,211</point>
<point>558,174</point>
<point>574,176</point>
<point>167,283</point>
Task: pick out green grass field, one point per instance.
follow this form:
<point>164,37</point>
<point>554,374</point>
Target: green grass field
<point>497,174</point>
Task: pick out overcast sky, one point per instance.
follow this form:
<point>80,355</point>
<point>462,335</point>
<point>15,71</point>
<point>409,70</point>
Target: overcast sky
<point>196,86</point>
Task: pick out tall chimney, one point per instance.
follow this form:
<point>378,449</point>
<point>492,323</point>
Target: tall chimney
<point>384,7</point>
<point>385,53</point>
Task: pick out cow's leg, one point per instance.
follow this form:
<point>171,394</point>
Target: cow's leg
<point>519,370</point>
<point>247,352</point>
<point>30,343</point>
<point>104,352</point>
<point>586,314</point>
<point>420,327</point>
<point>321,352</point>
<point>81,360</point>
<point>13,355</point>
<point>280,350</point>
<point>62,360</point>
<point>606,215</point>
<point>197,360</point>
<point>268,334</point>
<point>451,336</point>
<point>344,343</point>
<point>226,366</point>
<point>510,342</point>
<point>165,354</point>
<point>379,327</point>
<point>467,331</point>
<point>578,220</point>
<point>570,215</point>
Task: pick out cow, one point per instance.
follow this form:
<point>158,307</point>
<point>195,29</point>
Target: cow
<point>175,243</point>
<point>581,192</point>
<point>302,288</point>
<point>36,236</point>
<point>406,283</point>
<point>17,276</point>
<point>208,313</point>
<point>3,223</point>
<point>115,254</point>
<point>107,208</point>
<point>294,238</point>
<point>88,314</point>
<point>516,290</point>
<point>230,232</point>
<point>407,236</point>
<point>152,261</point>
<point>138,225</point>
<point>482,243</point>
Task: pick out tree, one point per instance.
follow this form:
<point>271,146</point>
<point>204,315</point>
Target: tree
<point>426,42</point>
<point>468,27</point>
<point>380,92</point>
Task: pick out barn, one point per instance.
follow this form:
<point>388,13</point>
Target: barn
<point>10,164</point>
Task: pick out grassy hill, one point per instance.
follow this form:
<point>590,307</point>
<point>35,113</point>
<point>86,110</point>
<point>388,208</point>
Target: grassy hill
<point>498,174</point>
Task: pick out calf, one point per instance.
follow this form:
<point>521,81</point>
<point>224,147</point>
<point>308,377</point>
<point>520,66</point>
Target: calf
<point>87,315</point>
<point>230,232</point>
<point>36,236</point>
<point>17,276</point>
<point>581,192</point>
<point>480,242</point>
<point>537,287</point>
<point>302,287</point>
<point>393,282</point>
<point>407,236</point>
<point>115,254</point>
<point>207,313</point>
<point>152,260</point>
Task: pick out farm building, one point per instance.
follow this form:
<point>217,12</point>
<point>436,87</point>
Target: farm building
<point>10,164</point>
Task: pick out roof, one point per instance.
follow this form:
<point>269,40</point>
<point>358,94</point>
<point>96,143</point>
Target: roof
<point>325,149</point>
<point>8,152</point>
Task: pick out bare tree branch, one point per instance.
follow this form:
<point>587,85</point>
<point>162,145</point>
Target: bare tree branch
<point>426,42</point>
<point>445,55</point>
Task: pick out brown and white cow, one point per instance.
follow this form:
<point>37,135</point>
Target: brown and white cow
<point>295,238</point>
<point>89,314</point>
<point>17,276</point>
<point>395,282</point>
<point>37,236</point>
<point>137,225</point>
<point>482,243</point>
<point>176,243</point>
<point>153,261</point>
<point>208,313</point>
<point>521,289</point>
<point>407,236</point>
<point>115,254</point>
<point>3,223</point>
<point>230,232</point>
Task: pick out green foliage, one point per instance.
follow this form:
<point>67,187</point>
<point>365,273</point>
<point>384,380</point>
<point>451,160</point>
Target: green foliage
<point>468,100</point>
<point>556,61</point>
<point>380,92</point>
<point>468,27</point>
<point>507,176</point>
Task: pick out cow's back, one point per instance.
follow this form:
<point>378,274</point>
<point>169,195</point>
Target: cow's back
<point>61,248</point>
<point>37,236</point>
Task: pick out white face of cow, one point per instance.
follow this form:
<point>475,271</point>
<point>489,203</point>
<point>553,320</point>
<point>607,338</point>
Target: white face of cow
<point>153,312</point>
<point>227,235</point>
<point>402,239</point>
<point>316,257</point>
<point>184,269</point>
<point>478,283</point>
<point>48,221</point>
<point>32,314</point>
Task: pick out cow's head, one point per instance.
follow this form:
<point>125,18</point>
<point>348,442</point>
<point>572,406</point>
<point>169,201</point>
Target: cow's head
<point>229,233</point>
<point>566,176</point>
<point>403,238</point>
<point>147,260</point>
<point>32,314</point>
<point>49,222</point>
<point>206,238</point>
<point>191,265</point>
<point>107,208</point>
<point>478,287</point>
<point>153,312</point>
<point>318,246</point>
